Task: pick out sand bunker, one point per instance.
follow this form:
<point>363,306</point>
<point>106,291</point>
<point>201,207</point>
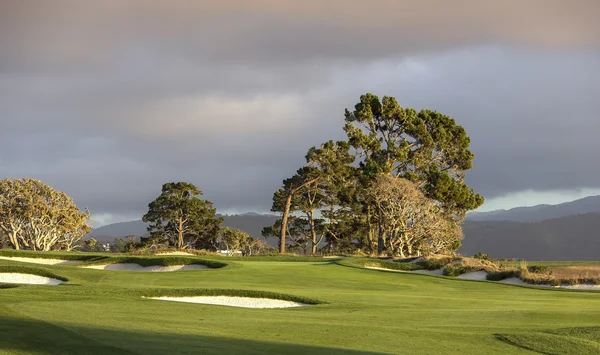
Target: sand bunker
<point>139,268</point>
<point>583,287</point>
<point>477,275</point>
<point>16,278</point>
<point>245,302</point>
<point>39,260</point>
<point>175,253</point>
<point>438,272</point>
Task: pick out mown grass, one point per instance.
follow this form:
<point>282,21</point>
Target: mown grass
<point>557,342</point>
<point>363,312</point>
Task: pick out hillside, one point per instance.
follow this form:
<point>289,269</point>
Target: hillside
<point>539,213</point>
<point>250,223</point>
<point>567,238</point>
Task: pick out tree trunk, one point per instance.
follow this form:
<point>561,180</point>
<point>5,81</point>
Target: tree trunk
<point>180,234</point>
<point>284,221</point>
<point>313,233</point>
<point>286,212</point>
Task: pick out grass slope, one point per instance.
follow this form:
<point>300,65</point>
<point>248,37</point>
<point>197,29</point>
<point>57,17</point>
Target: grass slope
<point>364,312</point>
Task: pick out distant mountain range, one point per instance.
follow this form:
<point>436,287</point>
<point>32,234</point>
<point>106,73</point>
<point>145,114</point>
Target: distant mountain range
<point>541,212</point>
<point>568,231</point>
<point>251,223</point>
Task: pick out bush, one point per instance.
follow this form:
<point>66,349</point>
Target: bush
<point>481,256</point>
<point>435,263</point>
<point>538,269</point>
<point>458,269</point>
<point>501,275</point>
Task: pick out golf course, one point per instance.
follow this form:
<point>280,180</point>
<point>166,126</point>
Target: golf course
<point>347,310</point>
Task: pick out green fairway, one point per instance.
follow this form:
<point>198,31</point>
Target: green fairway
<point>363,311</point>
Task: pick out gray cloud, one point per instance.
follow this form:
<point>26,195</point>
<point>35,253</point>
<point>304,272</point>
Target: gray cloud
<point>108,100</point>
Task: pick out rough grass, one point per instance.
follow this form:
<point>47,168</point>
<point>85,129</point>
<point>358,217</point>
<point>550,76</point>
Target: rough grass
<point>17,269</point>
<point>559,275</point>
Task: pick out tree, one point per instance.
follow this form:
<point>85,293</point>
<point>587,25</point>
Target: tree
<point>35,216</point>
<point>409,222</point>
<point>180,217</point>
<point>233,239</point>
<point>426,147</point>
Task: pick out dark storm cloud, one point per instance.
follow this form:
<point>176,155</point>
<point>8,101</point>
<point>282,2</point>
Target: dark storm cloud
<point>107,100</point>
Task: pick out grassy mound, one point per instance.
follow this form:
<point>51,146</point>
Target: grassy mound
<point>384,264</point>
<point>31,270</point>
<point>10,253</point>
<point>580,341</point>
<point>227,292</point>
<point>155,261</point>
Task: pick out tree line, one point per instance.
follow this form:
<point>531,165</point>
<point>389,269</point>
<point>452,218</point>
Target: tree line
<point>395,186</point>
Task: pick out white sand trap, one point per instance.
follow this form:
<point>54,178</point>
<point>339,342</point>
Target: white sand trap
<point>139,268</point>
<point>382,268</point>
<point>438,272</point>
<point>583,287</point>
<point>16,278</point>
<point>245,302</point>
<point>477,275</point>
<point>39,260</point>
<point>176,253</point>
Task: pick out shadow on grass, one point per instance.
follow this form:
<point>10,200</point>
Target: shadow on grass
<point>29,336</point>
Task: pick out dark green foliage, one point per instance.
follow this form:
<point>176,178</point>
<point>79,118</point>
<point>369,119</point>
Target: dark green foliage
<point>502,275</point>
<point>457,270</point>
<point>11,269</point>
<point>481,256</point>
<point>180,218</point>
<point>434,264</point>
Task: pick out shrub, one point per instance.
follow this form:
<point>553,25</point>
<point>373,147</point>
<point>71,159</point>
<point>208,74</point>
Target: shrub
<point>435,263</point>
<point>502,274</point>
<point>458,269</point>
<point>538,269</point>
<point>481,256</point>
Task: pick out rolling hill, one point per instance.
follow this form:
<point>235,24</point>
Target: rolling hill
<point>539,213</point>
<point>566,238</point>
<point>250,223</point>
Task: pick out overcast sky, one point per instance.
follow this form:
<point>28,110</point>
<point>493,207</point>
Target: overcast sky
<point>107,100</point>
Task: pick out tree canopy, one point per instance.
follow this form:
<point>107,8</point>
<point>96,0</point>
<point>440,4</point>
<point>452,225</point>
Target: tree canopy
<point>178,216</point>
<point>426,152</point>
<point>35,216</point>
